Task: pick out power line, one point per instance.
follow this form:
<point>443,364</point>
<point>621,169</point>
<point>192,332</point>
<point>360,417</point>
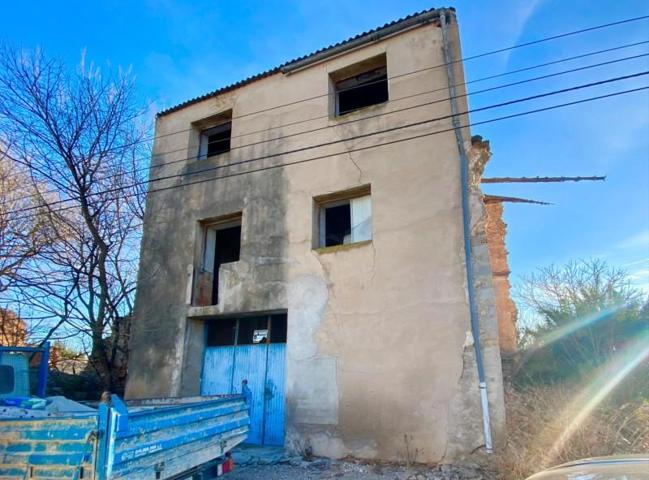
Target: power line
<point>368,117</point>
<point>483,122</point>
<point>490,89</point>
<point>481,55</point>
<point>482,79</point>
<point>281,137</point>
<point>555,37</point>
<point>334,142</point>
<point>496,119</point>
<point>470,124</point>
<point>473,57</point>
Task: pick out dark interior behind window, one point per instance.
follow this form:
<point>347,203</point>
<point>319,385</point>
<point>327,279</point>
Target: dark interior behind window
<point>368,88</point>
<point>278,328</point>
<point>248,326</point>
<point>338,224</point>
<point>247,330</point>
<point>227,249</point>
<point>221,332</point>
<point>215,140</point>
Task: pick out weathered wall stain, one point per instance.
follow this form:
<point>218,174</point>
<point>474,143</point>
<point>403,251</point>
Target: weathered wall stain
<point>377,350</point>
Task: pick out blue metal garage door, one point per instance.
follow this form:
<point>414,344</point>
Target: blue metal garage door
<point>250,350</point>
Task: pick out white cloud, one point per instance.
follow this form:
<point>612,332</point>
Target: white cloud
<point>520,15</point>
<point>640,278</point>
<point>639,240</point>
<point>636,262</point>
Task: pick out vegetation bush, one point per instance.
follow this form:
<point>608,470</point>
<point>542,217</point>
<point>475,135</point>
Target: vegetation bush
<point>581,385</point>
<point>584,313</point>
<point>535,422</point>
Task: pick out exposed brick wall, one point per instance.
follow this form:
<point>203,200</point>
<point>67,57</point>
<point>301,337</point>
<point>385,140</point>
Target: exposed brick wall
<point>496,231</point>
<point>505,308</point>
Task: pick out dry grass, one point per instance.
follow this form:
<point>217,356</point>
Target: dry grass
<point>537,416</point>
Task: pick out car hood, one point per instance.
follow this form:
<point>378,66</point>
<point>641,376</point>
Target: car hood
<point>622,467</point>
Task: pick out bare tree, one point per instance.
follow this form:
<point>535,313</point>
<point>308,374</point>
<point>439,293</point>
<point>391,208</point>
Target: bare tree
<point>585,310</point>
<point>81,135</point>
<point>22,237</point>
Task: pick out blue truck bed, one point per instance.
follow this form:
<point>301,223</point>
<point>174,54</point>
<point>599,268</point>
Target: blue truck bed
<point>153,439</point>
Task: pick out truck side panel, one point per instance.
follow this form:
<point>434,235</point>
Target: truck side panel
<point>62,447</point>
<point>164,442</point>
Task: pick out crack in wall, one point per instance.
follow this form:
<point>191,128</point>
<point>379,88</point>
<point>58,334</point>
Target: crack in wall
<point>360,171</point>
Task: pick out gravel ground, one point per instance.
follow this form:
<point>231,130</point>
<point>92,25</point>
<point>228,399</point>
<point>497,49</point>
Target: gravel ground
<point>323,469</point>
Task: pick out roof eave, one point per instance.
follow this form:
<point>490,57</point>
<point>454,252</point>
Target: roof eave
<point>361,40</point>
<point>400,27</point>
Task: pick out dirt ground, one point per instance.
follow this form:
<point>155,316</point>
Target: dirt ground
<point>325,469</point>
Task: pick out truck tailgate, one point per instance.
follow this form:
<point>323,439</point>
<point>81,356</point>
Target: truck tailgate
<point>163,442</point>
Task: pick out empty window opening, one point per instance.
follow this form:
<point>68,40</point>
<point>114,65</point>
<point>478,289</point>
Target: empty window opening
<point>338,224</point>
<point>250,330</point>
<point>215,140</point>
<point>362,90</point>
<point>222,245</point>
<point>222,332</point>
<point>253,330</point>
<point>345,221</point>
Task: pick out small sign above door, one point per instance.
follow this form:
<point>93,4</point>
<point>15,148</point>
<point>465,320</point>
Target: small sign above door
<point>260,336</point>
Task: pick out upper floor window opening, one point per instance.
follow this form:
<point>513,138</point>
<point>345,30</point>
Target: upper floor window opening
<point>211,136</point>
<point>221,244</point>
<point>215,140</point>
<point>361,85</point>
<point>344,218</point>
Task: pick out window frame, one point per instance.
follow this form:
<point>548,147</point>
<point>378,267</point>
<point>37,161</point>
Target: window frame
<point>350,74</point>
<point>214,227</point>
<point>325,202</point>
<point>203,140</point>
<point>205,276</point>
<point>236,320</point>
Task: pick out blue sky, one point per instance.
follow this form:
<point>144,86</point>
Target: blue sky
<point>181,49</point>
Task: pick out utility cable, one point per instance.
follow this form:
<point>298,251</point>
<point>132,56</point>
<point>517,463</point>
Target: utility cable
<point>482,79</point>
<point>236,147</point>
<point>473,57</point>
<point>348,139</point>
<point>483,122</point>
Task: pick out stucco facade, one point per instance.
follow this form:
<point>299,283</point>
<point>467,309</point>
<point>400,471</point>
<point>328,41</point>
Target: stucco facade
<point>379,349</point>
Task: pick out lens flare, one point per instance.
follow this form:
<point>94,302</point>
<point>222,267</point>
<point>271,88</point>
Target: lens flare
<point>570,328</point>
<point>596,391</point>
<point>584,322</point>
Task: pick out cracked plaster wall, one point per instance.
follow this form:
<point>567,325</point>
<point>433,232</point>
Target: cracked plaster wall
<point>377,352</point>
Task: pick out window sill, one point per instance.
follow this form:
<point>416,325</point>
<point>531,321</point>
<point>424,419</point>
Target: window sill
<point>214,155</point>
<point>359,112</point>
<point>197,163</point>
<point>341,248</point>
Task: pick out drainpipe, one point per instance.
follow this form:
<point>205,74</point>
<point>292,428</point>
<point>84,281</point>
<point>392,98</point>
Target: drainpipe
<point>466,221</point>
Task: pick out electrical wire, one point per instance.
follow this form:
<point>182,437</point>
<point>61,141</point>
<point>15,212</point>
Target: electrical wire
<point>477,92</point>
<point>473,57</point>
<point>471,124</point>
<point>282,137</point>
<point>353,149</point>
<point>464,59</point>
<point>482,79</point>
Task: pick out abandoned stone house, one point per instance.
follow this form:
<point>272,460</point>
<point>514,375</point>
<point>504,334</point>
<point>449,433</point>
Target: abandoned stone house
<point>305,232</point>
